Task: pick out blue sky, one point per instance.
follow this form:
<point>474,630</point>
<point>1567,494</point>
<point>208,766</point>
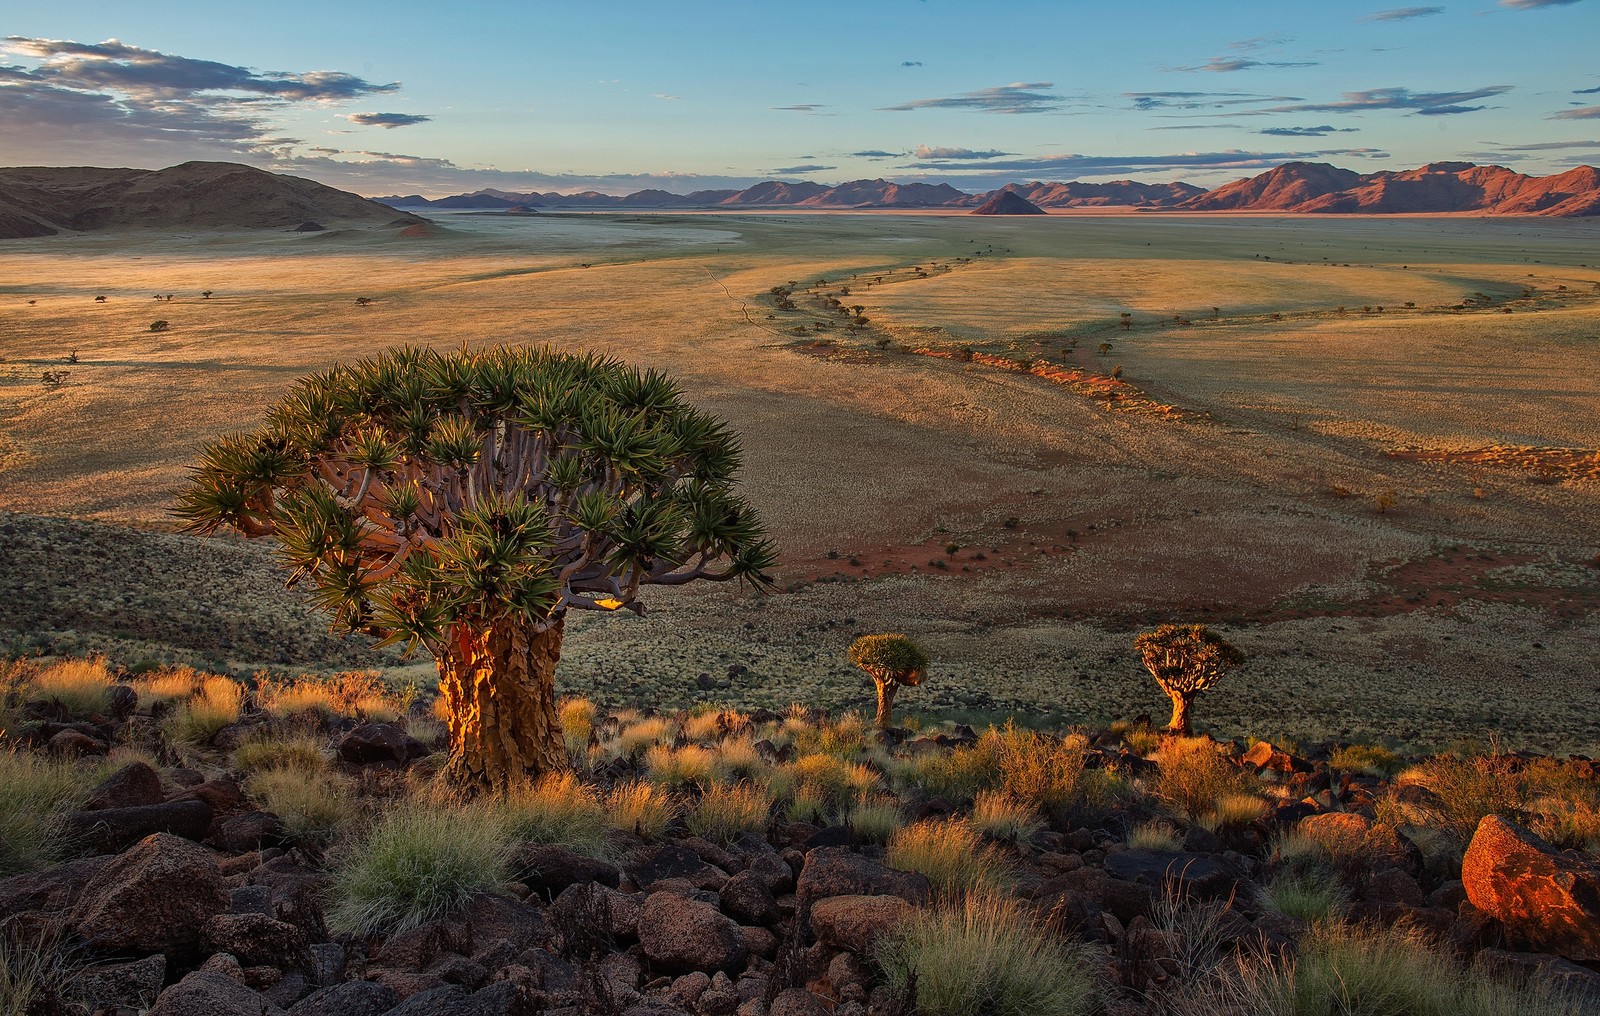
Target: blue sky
<point>407,96</point>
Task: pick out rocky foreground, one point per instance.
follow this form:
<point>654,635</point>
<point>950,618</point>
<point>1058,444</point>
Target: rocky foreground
<point>1155,870</point>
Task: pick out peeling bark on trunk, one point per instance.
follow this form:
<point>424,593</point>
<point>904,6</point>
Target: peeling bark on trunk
<point>499,684</point>
<point>1180,713</point>
<point>886,691</point>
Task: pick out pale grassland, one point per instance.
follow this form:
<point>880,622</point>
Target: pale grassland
<point>891,457</point>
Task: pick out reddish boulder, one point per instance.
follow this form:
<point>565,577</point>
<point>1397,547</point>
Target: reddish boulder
<point>154,898</point>
<point>856,922</point>
<point>1546,900</point>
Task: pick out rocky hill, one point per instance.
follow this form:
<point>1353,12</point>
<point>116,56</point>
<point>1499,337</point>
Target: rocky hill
<point>1008,202</point>
<point>43,200</point>
<point>1298,187</point>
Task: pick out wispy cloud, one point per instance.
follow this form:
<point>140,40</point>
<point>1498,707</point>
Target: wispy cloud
<point>1069,165</point>
<point>1581,113</point>
<point>666,97</point>
<point>1586,91</point>
<point>925,152</point>
<point>1528,5</point>
<point>873,153</point>
<point>801,107</point>
<point>1403,14</point>
<point>1017,97</point>
<point>1228,64</point>
<point>387,120</point>
<point>1422,103</point>
<point>911,63</point>
<point>1147,101</point>
<point>809,167</point>
<point>1549,146</point>
<point>1306,132</point>
<point>1259,42</point>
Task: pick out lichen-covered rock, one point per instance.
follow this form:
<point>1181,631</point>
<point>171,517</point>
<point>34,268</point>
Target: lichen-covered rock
<point>1546,900</point>
<point>857,922</point>
<point>133,785</point>
<point>154,898</point>
<point>352,998</point>
<point>257,940</point>
<point>747,898</point>
<point>837,871</point>
<point>680,934</point>
<point>208,993</point>
<point>109,830</point>
<point>134,984</point>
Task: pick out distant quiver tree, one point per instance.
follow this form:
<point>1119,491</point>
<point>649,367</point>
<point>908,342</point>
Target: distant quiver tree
<point>891,661</point>
<point>1186,660</point>
<point>466,502</point>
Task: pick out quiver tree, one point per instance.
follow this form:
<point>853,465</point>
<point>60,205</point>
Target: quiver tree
<point>1185,660</point>
<point>464,503</point>
<point>891,661</point>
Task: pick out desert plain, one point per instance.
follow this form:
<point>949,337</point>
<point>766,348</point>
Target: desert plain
<point>1365,448</point>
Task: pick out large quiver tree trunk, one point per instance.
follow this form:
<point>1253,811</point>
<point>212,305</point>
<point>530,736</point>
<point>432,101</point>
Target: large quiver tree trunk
<point>498,682</point>
<point>886,689</point>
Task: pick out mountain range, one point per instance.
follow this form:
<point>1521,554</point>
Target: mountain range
<point>44,200</point>
<point>1295,187</point>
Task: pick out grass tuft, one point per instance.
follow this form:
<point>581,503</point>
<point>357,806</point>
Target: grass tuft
<point>215,706</point>
<point>300,752</point>
<point>951,855</point>
<point>35,792</point>
<point>80,687</point>
<point>313,804</point>
<point>559,810</point>
<point>416,864</point>
<point>999,816</point>
<point>724,812</point>
<point>1192,776</point>
<point>640,808</point>
<point>875,820</point>
<point>983,958</point>
<point>1153,835</point>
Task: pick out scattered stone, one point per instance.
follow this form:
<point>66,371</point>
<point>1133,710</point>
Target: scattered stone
<point>747,898</point>
<point>547,870</point>
<point>857,922</point>
<point>681,935</point>
<point>208,993</point>
<point>133,785</point>
<point>1547,901</point>
<point>1196,876</point>
<point>797,1002</point>
<point>110,830</point>
<point>154,898</point>
<point>373,743</point>
<point>251,830</point>
<point>669,860</point>
<point>257,940</point>
<point>74,744</point>
<point>836,871</point>
<point>53,890</point>
<point>134,984</point>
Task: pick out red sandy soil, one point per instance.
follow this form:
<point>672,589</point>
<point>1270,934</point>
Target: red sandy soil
<point>1551,465</point>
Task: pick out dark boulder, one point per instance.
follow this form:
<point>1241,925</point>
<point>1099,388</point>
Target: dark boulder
<point>374,743</point>
<point>154,898</point>
<point>110,830</point>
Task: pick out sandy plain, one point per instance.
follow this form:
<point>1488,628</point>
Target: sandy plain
<point>1285,405</point>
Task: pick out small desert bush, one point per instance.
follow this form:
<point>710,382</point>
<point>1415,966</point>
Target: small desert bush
<point>577,727</point>
<point>559,810</point>
<point>1312,895</point>
<point>1366,971</point>
<point>951,856</point>
<point>1234,810</point>
<point>984,958</point>
<point>690,765</point>
<point>314,805</point>
<point>636,737</point>
<point>215,706</point>
<point>1153,835</point>
<point>1192,776</point>
<point>724,812</point>
<point>640,808</point>
<point>807,803</point>
<point>265,751</point>
<point>166,686</point>
<point>842,737</point>
<point>836,781</point>
<point>1035,768</point>
<point>1370,759</point>
<point>35,792</point>
<point>705,725</point>
<point>1143,740</point>
<point>999,816</point>
<point>957,774</point>
<point>304,698</point>
<point>416,864</point>
<point>737,759</point>
<point>377,708</point>
<point>1548,795</point>
<point>875,820</point>
<point>80,687</point>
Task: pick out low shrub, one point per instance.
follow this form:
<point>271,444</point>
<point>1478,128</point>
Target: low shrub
<point>1193,775</point>
<point>215,706</point>
<point>79,687</point>
<point>875,820</point>
<point>679,768</point>
<point>314,805</point>
<point>163,687</point>
<point>299,752</point>
<point>559,810</point>
<point>999,816</point>
<point>724,812</point>
<point>983,958</point>
<point>417,863</point>
<point>640,808</point>
<point>35,793</point>
<point>1153,835</point>
<point>1037,769</point>
<point>951,856</point>
<point>636,737</point>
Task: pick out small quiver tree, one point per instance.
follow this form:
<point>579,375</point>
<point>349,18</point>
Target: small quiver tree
<point>891,661</point>
<point>1185,660</point>
<point>466,502</point>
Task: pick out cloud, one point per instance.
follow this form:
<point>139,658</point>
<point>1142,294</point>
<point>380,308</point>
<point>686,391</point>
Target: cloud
<point>388,121</point>
<point>875,154</point>
<point>1305,132</point>
<point>1548,146</point>
<point>1071,165</point>
<point>1259,42</point>
<point>1528,5</point>
<point>112,65</point>
<point>668,98</point>
<point>1586,91</point>
<point>911,63</point>
<point>1581,113</point>
<point>1422,103</point>
<point>801,107</point>
<point>1403,14</point>
<point>1228,64</point>
<point>1196,127</point>
<point>807,168</point>
<point>1147,101</point>
<point>924,152</point>
<point>1017,97</point>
